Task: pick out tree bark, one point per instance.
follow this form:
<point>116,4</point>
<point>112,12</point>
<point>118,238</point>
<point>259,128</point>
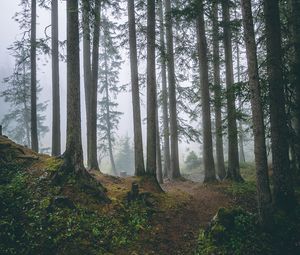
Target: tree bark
<point>175,171</point>
<point>233,172</point>
<point>208,159</point>
<point>73,154</point>
<point>295,69</point>
<point>56,142</point>
<point>137,126</point>
<point>92,157</point>
<point>283,186</point>
<point>86,9</point>
<point>165,131</point>
<point>261,161</point>
<point>151,90</point>
<point>218,90</point>
<point>34,132</point>
<point>240,122</point>
<point>159,174</point>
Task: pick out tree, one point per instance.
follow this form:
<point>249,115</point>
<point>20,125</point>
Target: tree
<point>295,69</point>
<point>34,134</point>
<point>159,173</point>
<point>192,161</point>
<point>165,131</point>
<point>261,161</point>
<point>138,141</point>
<point>283,186</point>
<point>17,93</point>
<point>217,91</point>
<point>208,159</point>
<point>73,154</point>
<point>233,153</point>
<point>125,156</point>
<point>86,9</point>
<point>175,171</point>
<point>151,91</point>
<point>56,144</point>
<point>92,158</point>
<point>110,64</point>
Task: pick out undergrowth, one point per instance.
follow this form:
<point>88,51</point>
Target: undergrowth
<point>31,223</point>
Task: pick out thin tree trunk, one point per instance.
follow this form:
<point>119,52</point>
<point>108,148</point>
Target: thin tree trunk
<point>283,186</point>
<point>73,154</point>
<point>34,132</point>
<point>175,171</point>
<point>56,144</point>
<point>26,108</point>
<point>208,159</point>
<point>261,161</point>
<point>240,125</point>
<point>92,157</point>
<point>87,69</point>
<point>233,152</point>
<point>218,90</point>
<point>151,90</point>
<point>159,174</point>
<point>137,126</point>
<point>166,132</point>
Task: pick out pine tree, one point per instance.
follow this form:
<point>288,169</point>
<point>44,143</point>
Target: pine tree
<point>110,64</point>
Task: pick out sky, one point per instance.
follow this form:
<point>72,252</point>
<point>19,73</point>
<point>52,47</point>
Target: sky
<point>10,31</point>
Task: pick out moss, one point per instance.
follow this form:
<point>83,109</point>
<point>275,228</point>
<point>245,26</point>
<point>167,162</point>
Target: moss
<point>234,231</point>
<point>53,164</point>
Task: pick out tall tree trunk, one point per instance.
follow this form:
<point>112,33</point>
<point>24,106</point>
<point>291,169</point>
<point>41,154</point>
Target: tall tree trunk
<point>175,171</point>
<point>283,186</point>
<point>151,90</point>
<point>233,152</point>
<point>110,147</point>
<point>86,9</point>
<point>240,125</point>
<point>26,108</point>
<point>137,126</point>
<point>56,144</point>
<point>159,174</point>
<point>92,157</point>
<point>208,159</point>
<point>34,132</point>
<point>73,154</point>
<point>166,132</point>
<point>218,90</point>
<point>261,161</point>
<point>296,74</point>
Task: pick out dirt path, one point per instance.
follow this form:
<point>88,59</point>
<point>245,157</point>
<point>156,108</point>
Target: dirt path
<point>178,228</point>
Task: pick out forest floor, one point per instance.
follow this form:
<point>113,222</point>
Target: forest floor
<point>185,207</point>
<point>47,219</point>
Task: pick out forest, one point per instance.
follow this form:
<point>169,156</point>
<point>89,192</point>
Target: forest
<point>159,127</point>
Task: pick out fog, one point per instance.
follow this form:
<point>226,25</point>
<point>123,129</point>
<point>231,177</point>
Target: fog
<point>10,32</point>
